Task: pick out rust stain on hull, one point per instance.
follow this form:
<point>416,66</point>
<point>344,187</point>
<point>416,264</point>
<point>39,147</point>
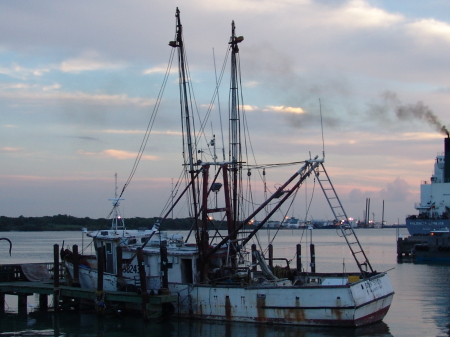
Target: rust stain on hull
<point>260,304</point>
<point>228,308</point>
<point>337,313</point>
<point>297,315</point>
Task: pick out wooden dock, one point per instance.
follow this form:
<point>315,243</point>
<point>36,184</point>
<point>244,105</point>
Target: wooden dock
<point>12,282</point>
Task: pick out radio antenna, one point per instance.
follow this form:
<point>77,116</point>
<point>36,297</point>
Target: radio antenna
<point>321,126</point>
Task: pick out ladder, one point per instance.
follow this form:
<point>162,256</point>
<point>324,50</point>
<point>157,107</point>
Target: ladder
<point>341,217</point>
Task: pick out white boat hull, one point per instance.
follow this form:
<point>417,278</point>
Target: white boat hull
<point>356,304</point>
<point>88,278</point>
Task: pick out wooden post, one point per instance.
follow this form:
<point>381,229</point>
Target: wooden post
<point>164,266</point>
<point>143,281</point>
<point>119,261</point>
<point>2,304</point>
<point>141,267</point>
<point>76,263</point>
<point>313,258</point>
<point>22,304</point>
<point>271,257</point>
<point>100,269</point>
<point>56,277</point>
<point>399,249</point>
<point>43,302</point>
<point>299,258</point>
<point>254,262</point>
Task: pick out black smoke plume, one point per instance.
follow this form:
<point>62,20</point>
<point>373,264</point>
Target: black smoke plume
<point>418,111</point>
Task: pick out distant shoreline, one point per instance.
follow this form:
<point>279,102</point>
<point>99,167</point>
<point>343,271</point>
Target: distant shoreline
<point>62,222</point>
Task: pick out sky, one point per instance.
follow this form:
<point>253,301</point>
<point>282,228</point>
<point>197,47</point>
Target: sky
<point>79,81</point>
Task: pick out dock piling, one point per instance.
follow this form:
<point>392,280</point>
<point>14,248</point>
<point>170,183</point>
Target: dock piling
<point>22,304</point>
<point>143,281</point>
<point>271,257</point>
<point>100,269</point>
<point>2,304</point>
<point>56,277</point>
<point>119,261</point>
<point>164,266</point>
<point>43,302</point>
<point>299,258</point>
<point>254,262</point>
<point>313,258</point>
<point>76,262</point>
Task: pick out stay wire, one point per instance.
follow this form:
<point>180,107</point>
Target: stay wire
<point>148,130</point>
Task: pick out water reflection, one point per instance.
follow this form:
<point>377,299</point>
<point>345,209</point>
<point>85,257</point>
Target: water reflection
<point>420,307</point>
<point>86,325</point>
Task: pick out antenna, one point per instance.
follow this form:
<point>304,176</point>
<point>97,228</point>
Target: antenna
<point>213,144</point>
<point>116,203</point>
<point>115,192</point>
<point>218,104</point>
<point>321,126</point>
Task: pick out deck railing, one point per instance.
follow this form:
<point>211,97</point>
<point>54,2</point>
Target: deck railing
<point>13,272</point>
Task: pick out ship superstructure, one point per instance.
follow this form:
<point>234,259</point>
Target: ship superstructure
<point>434,206</point>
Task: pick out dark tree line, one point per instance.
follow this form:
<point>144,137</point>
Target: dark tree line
<point>62,222</point>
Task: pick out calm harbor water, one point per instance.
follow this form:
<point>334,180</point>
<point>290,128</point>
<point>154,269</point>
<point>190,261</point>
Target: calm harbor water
<point>421,305</point>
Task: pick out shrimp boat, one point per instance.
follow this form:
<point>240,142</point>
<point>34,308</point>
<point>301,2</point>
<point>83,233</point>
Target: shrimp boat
<point>218,277</point>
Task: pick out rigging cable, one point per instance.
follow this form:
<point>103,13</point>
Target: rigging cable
<point>218,105</point>
<point>284,216</point>
<point>148,130</point>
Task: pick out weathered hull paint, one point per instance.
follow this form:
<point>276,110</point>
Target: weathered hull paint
<point>88,278</point>
<point>356,304</point>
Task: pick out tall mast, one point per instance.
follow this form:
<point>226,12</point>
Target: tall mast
<point>187,121</point>
<point>235,145</point>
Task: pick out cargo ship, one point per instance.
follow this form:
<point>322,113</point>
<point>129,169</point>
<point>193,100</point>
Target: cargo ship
<point>434,206</point>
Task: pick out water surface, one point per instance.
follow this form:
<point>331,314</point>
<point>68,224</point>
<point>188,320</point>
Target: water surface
<point>421,305</point>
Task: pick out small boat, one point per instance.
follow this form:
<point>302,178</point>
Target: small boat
<point>434,206</point>
<point>219,277</point>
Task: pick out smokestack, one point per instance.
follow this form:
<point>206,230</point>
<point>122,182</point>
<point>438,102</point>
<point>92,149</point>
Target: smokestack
<point>447,160</point>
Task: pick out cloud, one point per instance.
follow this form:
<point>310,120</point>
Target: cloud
<point>79,97</point>
<point>23,73</point>
<point>285,109</point>
<point>250,107</point>
<point>138,132</point>
<point>83,138</point>
<point>251,84</point>
<point>396,191</point>
<point>9,86</point>
<point>158,70</point>
<point>10,149</point>
<point>427,29</point>
<point>116,154</point>
<point>356,195</point>
<point>89,61</point>
<point>300,120</point>
<point>359,13</point>
<point>51,87</point>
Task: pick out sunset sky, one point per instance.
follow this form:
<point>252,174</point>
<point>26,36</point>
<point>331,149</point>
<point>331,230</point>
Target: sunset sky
<point>78,83</point>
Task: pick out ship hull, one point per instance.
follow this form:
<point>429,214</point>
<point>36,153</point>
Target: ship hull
<point>436,249</point>
<point>352,305</point>
<point>425,226</point>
